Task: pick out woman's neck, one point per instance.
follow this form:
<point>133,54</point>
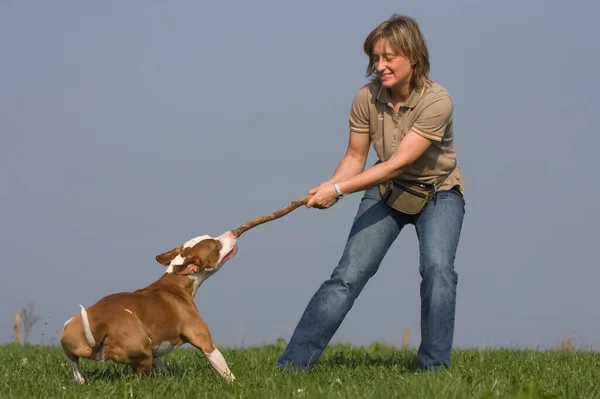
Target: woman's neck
<point>399,95</point>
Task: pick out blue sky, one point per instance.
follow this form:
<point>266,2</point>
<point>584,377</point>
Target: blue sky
<point>129,127</point>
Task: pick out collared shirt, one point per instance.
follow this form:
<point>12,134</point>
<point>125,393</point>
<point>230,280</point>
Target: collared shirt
<point>427,112</point>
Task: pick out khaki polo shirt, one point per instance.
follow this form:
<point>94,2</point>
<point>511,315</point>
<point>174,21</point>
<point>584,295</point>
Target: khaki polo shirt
<point>428,112</point>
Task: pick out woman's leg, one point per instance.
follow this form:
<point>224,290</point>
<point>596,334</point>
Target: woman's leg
<point>373,232</point>
<point>438,229</point>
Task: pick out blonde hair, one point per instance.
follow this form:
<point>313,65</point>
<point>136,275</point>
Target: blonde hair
<point>405,38</point>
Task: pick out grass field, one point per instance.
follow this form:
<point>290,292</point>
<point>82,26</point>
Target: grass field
<point>343,372</point>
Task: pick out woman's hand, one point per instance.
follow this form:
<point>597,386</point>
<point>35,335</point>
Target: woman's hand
<point>323,197</point>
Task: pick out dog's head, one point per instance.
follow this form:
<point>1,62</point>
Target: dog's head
<point>203,254</point>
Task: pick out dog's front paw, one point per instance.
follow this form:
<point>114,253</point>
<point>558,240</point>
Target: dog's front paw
<point>229,377</point>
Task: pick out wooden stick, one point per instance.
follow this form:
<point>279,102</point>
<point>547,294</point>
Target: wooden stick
<point>271,216</point>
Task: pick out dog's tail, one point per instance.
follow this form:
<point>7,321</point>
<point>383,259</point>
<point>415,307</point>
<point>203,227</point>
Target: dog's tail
<point>86,328</point>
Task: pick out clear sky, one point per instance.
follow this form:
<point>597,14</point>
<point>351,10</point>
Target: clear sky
<point>129,127</point>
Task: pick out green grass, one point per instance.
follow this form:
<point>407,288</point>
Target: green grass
<point>343,372</point>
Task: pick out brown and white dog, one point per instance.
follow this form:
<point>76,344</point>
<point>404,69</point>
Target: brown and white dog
<point>137,328</point>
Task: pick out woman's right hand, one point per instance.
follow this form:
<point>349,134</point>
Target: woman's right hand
<point>323,197</point>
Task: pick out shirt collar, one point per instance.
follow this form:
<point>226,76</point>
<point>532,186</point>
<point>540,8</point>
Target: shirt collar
<point>383,95</point>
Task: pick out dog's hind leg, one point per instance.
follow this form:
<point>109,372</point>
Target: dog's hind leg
<point>74,346</point>
<point>127,342</point>
<point>76,373</point>
<point>74,360</point>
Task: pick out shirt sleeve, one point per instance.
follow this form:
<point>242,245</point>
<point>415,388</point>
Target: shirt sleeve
<point>359,112</point>
<point>434,119</point>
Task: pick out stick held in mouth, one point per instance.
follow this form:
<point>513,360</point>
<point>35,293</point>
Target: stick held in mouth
<point>271,216</point>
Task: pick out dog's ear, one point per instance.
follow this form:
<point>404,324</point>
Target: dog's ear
<point>166,258</point>
<point>188,268</point>
<point>191,265</point>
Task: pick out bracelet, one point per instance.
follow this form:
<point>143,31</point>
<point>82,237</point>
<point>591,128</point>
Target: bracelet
<point>338,191</point>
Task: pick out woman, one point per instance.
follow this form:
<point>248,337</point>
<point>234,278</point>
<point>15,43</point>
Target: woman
<point>407,117</point>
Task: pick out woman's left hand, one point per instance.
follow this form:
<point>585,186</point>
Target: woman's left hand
<point>323,197</point>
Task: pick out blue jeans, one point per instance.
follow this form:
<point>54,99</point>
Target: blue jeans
<point>375,228</point>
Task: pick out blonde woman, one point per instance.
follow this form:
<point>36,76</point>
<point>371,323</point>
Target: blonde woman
<point>407,118</point>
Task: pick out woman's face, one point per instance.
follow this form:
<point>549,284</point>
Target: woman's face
<point>394,70</point>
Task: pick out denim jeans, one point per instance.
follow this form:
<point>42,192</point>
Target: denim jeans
<point>375,228</point>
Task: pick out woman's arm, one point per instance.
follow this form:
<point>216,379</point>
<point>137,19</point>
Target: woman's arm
<point>411,147</point>
<point>431,125</point>
<point>355,159</point>
<point>350,165</point>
